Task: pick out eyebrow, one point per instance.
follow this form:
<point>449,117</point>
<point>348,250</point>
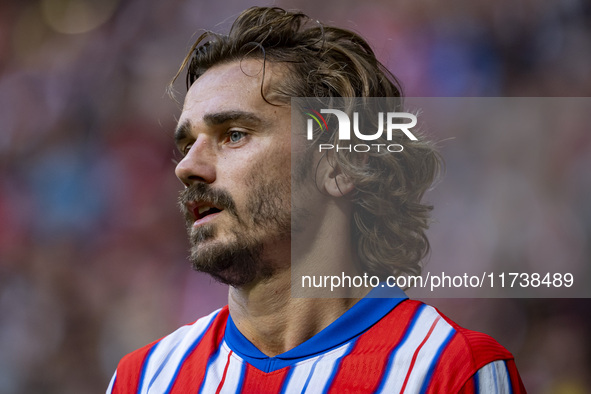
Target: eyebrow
<point>183,130</point>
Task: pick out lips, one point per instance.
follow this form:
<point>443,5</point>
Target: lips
<point>202,212</point>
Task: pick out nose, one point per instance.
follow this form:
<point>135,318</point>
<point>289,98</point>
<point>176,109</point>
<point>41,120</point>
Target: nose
<point>198,165</point>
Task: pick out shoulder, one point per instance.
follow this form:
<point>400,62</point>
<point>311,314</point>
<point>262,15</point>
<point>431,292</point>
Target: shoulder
<point>475,347</point>
<point>425,321</point>
<point>447,355</point>
<point>162,357</point>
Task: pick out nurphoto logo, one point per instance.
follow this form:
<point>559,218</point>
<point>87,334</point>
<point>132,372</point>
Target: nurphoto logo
<point>393,121</point>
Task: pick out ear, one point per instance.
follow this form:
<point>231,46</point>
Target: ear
<point>334,181</point>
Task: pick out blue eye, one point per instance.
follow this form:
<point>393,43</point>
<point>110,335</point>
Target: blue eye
<point>186,149</point>
<point>236,136</point>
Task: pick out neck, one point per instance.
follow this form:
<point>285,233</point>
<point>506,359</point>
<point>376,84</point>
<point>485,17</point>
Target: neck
<point>268,316</point>
<point>275,322</point>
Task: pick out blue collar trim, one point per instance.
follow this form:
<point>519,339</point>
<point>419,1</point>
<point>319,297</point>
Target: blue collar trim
<point>355,321</point>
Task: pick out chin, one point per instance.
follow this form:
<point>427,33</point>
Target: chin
<point>236,263</point>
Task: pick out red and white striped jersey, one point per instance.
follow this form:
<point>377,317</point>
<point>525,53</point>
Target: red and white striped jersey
<point>380,345</point>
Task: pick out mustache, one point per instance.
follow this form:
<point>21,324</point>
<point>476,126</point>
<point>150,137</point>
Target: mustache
<point>205,193</point>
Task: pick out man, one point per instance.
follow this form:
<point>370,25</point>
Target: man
<point>255,222</point>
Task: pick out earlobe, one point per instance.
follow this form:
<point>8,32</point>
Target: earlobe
<point>337,184</point>
<point>331,179</point>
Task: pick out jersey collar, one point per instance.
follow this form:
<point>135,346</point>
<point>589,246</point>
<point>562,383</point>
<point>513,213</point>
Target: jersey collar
<point>359,318</point>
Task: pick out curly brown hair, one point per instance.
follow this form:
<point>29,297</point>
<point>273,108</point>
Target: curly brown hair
<point>389,219</point>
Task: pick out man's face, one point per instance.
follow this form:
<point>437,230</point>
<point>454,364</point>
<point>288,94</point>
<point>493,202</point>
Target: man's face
<point>236,168</point>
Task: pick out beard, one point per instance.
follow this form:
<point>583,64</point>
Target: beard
<point>239,260</point>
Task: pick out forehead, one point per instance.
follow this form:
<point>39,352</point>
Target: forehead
<point>232,86</point>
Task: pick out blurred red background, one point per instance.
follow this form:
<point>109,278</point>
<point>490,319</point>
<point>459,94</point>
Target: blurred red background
<point>92,247</point>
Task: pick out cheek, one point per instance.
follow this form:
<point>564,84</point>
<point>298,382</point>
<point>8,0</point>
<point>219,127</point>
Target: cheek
<point>266,168</point>
<point>269,183</point>
<point>275,162</point>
